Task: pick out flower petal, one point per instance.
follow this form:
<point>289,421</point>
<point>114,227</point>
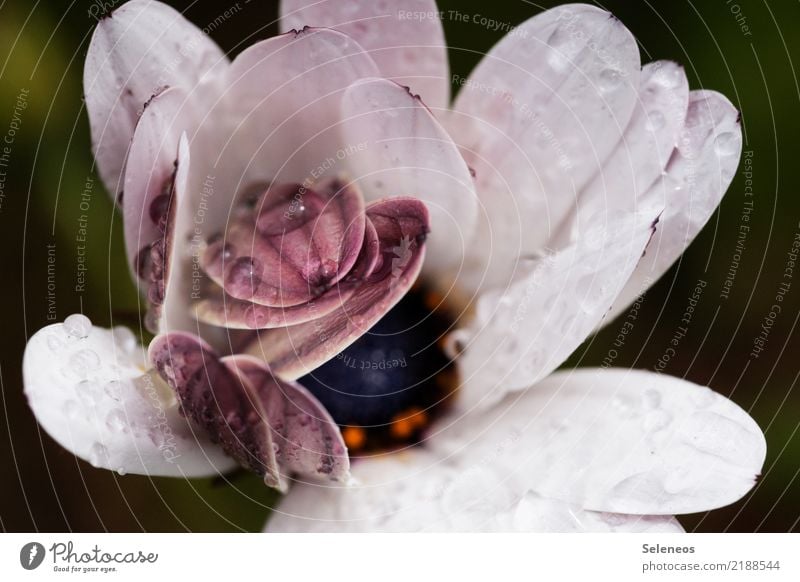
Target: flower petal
<point>522,333</point>
<point>89,390</point>
<point>408,49</point>
<point>409,491</point>
<point>252,415</point>
<point>536,120</point>
<point>401,225</point>
<point>625,441</point>
<point>399,149</point>
<point>294,246</point>
<point>307,441</point>
<point>696,178</point>
<point>143,47</point>
<point>642,154</point>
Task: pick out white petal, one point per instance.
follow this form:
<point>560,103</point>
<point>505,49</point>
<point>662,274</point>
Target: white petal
<point>623,441</point>
<point>410,491</point>
<point>89,390</point>
<point>137,51</point>
<point>642,154</point>
<point>523,332</point>
<point>399,149</point>
<point>536,120</point>
<point>696,178</point>
<point>404,39</point>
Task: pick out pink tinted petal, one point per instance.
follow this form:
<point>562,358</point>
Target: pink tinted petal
<point>401,225</point>
<point>306,440</point>
<point>221,310</point>
<point>88,388</point>
<point>536,120</point>
<point>137,51</point>
<point>406,39</point>
<point>293,247</point>
<point>523,332</point>
<point>399,149</point>
<point>697,176</point>
<point>227,407</point>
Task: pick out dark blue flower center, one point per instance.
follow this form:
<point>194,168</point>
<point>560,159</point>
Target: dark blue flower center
<point>385,388</point>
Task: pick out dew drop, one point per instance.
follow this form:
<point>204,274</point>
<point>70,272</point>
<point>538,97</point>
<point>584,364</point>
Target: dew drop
<point>71,409</point>
<point>98,455</point>
<point>116,421</point>
<point>243,277</point>
<point>655,121</point>
<point>86,392</point>
<point>78,326</point>
<point>656,420</point>
<point>726,144</point>
<point>84,361</point>
<point>609,80</point>
<point>113,390</point>
<point>652,398</point>
<point>54,343</point>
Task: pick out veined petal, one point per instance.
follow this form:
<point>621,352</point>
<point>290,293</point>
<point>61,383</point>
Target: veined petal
<point>625,441</point>
<point>399,149</point>
<point>522,333</point>
<point>137,51</point>
<point>411,491</point>
<point>696,178</point>
<point>271,427</point>
<point>401,225</point>
<point>90,391</point>
<point>405,40</point>
<point>536,120</point>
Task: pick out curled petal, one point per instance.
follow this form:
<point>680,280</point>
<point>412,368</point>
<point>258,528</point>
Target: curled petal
<point>246,414</point>
<point>296,246</point>
<point>401,225</point>
<point>135,53</point>
<point>89,390</point>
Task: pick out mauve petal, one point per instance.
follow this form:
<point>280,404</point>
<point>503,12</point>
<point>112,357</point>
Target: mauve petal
<point>307,441</point>
<point>696,178</point>
<point>137,51</point>
<point>88,388</point>
<point>222,310</point>
<point>295,245</point>
<point>401,225</point>
<point>536,120</point>
<point>399,149</point>
<point>408,48</point>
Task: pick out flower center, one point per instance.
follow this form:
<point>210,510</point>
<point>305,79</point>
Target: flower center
<point>384,389</point>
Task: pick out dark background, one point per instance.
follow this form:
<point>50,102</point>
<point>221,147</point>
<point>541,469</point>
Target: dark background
<point>42,47</point>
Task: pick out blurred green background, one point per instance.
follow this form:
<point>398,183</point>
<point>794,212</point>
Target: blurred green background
<point>42,47</point>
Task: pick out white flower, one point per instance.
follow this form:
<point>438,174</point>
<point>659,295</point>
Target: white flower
<point>582,160</point>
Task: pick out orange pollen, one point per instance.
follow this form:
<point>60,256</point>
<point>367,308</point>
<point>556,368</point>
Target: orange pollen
<point>354,437</point>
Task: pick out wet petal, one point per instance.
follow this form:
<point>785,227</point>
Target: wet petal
<point>522,333</point>
<point>245,413</point>
<point>407,49</point>
<point>536,120</point>
<point>136,52</point>
<point>399,149</point>
<point>306,440</point>
<point>401,225</point>
<point>89,390</point>
<point>696,178</point>
<point>294,246</point>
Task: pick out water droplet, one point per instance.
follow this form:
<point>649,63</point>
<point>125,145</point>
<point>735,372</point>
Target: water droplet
<point>84,361</point>
<point>54,343</point>
<point>113,390</point>
<point>609,80</point>
<point>121,471</point>
<point>652,398</point>
<point>726,144</point>
<point>655,121</point>
<point>98,455</point>
<point>78,326</point>
<point>116,421</point>
<point>243,277</point>
<point>71,409</point>
<point>86,391</point>
<point>656,420</point>
<point>668,77</point>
